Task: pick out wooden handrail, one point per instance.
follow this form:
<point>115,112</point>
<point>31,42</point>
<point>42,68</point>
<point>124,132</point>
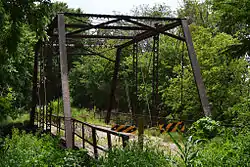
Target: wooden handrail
<point>94,129</point>
<point>102,129</point>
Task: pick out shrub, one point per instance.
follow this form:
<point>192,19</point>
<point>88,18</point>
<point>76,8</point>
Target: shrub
<point>6,106</point>
<point>204,128</point>
<point>239,115</point>
<point>133,156</point>
<point>233,151</point>
<point>27,150</point>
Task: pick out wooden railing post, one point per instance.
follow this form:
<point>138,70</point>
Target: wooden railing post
<point>94,142</point>
<point>141,132</point>
<point>73,133</point>
<point>83,134</point>
<point>125,140</point>
<point>109,140</point>
<point>50,120</point>
<point>59,125</point>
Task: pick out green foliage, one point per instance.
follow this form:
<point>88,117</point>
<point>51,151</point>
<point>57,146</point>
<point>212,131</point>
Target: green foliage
<point>133,156</point>
<point>29,150</point>
<point>158,10</point>
<point>6,108</point>
<point>187,149</point>
<point>21,23</point>
<point>20,119</point>
<point>205,128</point>
<point>167,137</point>
<point>240,114</point>
<point>77,158</point>
<point>90,82</point>
<point>232,151</point>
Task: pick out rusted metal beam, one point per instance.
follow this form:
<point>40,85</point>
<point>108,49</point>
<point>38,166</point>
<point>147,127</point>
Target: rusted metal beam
<point>79,45</point>
<point>155,29</point>
<point>34,82</point>
<point>196,69</point>
<point>113,86</point>
<point>81,54</point>
<point>65,82</point>
<point>123,17</point>
<point>108,27</point>
<point>97,36</point>
<point>174,36</point>
<point>91,53</point>
<point>100,36</point>
<point>93,26</point>
<point>99,54</point>
<point>155,81</point>
<point>147,34</point>
<point>139,24</point>
<point>70,36</point>
<point>134,101</point>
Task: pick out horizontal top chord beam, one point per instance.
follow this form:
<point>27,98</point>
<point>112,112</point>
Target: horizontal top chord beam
<point>97,36</point>
<point>108,27</point>
<point>123,17</point>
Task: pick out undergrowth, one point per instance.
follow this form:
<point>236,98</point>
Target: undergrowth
<point>134,156</point>
<point>20,119</point>
<point>226,149</point>
<point>28,150</point>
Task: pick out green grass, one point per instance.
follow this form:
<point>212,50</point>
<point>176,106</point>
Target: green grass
<point>87,116</point>
<point>81,114</point>
<point>155,131</point>
<point>31,150</point>
<point>28,150</point>
<point>20,119</point>
<point>134,156</point>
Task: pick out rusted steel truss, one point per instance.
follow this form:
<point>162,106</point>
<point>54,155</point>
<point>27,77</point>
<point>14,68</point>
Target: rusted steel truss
<point>71,38</point>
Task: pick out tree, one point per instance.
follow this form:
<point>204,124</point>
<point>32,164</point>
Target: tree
<point>234,20</point>
<point>224,76</point>
<point>22,23</point>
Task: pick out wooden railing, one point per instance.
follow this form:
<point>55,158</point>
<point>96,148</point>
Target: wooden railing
<point>79,133</point>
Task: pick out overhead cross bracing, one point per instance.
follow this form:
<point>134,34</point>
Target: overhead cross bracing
<point>126,29</point>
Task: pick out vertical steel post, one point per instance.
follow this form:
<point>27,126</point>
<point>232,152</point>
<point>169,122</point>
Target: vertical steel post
<point>196,69</point>
<point>50,82</point>
<point>41,84</point>
<point>135,79</point>
<point>39,91</point>
<point>65,82</point>
<point>34,82</point>
<point>45,63</point>
<point>113,86</point>
<point>155,81</point>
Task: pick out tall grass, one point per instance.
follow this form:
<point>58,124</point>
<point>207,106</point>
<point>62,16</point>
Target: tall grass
<point>27,150</point>
<point>225,151</point>
<point>134,156</point>
<point>31,150</point>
